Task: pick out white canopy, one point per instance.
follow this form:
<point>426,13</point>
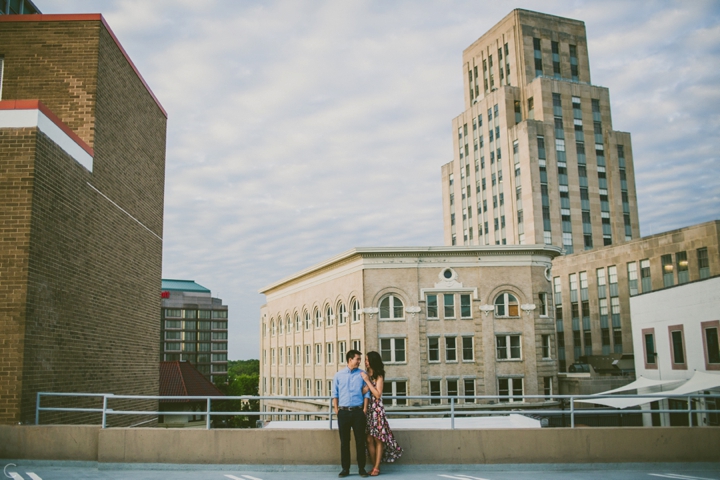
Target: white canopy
<point>699,381</point>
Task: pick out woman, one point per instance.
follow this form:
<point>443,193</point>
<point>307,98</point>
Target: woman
<point>381,443</point>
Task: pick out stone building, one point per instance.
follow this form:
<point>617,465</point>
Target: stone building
<point>194,327</point>
<point>536,159</point>
<point>592,290</point>
<point>82,162</point>
<point>446,320</point>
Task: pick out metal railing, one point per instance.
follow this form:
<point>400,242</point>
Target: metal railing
<point>506,404</point>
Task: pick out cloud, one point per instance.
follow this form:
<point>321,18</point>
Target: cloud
<point>298,130</point>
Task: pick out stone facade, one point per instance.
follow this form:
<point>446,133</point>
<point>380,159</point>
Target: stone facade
<point>393,300</point>
<point>593,318</point>
<point>80,243</point>
<point>536,159</point>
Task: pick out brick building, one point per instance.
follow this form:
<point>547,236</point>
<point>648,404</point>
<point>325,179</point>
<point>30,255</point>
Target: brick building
<point>82,167</point>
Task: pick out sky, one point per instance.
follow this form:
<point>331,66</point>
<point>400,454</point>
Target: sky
<point>301,129</point>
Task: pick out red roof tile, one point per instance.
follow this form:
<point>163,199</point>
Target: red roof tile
<point>179,379</point>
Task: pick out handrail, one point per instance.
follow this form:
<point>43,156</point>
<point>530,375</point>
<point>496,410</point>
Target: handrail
<point>510,405</point>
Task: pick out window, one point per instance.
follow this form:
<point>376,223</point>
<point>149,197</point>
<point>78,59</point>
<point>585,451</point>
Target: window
<point>648,336</point>
<point>204,314</point>
<point>288,322</point>
<point>511,388</point>
<point>219,314</point>
<point>394,388</point>
<point>329,317</point>
<point>682,266</point>
<point>468,353</point>
<point>506,305</point>
<point>392,350</point>
<point>342,314</point>
<point>298,358</point>
<point>543,304</point>
<point>547,386</point>
<point>645,276</point>
<point>433,349</point>
<point>330,354</point>
<point>546,351</point>
<point>667,270</point>
<point>508,347</point>
<point>450,349</point>
<point>449,304</point>
<point>307,354</point>
<point>318,353</point>
<point>307,320</point>
<point>355,310</point>
<point>297,322</point>
<point>435,391</point>
<point>280,356</point>
<point>318,388</point>
<point>677,347</point>
<point>469,389</point>
<point>452,388</point>
<point>465,306</point>
<point>172,346</point>
<point>432,306</point>
<point>632,278</point>
<point>272,356</point>
<point>357,345</point>
<point>173,324</point>
<point>710,344</point>
<point>703,262</point>
<point>342,350</point>
<point>391,308</point>
<point>318,318</point>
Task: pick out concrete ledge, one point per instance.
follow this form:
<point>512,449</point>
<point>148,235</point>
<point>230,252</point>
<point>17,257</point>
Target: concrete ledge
<point>321,447</point>
<point>56,442</point>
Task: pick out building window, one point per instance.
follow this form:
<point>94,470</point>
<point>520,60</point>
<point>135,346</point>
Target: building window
<point>648,336</point>
<point>394,388</point>
<point>645,280</point>
<point>391,308</point>
<point>392,350</point>
<point>506,305</point>
<point>433,349</point>
<point>355,310</point>
<point>632,278</point>
<point>677,347</point>
<point>703,262</point>
<point>432,306</point>
<point>435,391</point>
<point>667,270</point>
<point>465,306</point>
<point>682,266</point>
<point>298,358</point>
<point>508,347</point>
<point>469,389</point>
<point>342,350</point>
<point>544,304</point>
<point>297,323</point>
<point>342,314</point>
<point>449,305</point>
<point>546,347</point>
<point>329,316</point>
<point>318,354</point>
<point>307,320</point>
<point>452,388</point>
<point>468,349</point>
<point>511,389</point>
<point>450,349</point>
<point>710,344</point>
<point>330,354</point>
<point>318,318</point>
<point>357,345</point>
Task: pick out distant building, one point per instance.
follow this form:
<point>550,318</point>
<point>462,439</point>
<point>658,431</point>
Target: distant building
<point>182,379</point>
<point>82,156</point>
<point>194,327</point>
<point>18,7</point>
<point>446,320</point>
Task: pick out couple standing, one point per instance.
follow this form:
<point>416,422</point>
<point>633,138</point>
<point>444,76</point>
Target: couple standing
<point>357,401</point>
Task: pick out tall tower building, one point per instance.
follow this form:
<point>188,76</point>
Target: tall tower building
<point>536,159</point>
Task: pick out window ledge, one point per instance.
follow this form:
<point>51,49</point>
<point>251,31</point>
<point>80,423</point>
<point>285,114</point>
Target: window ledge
<point>509,359</point>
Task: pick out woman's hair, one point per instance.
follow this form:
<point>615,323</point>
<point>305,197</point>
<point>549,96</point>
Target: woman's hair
<point>376,364</point>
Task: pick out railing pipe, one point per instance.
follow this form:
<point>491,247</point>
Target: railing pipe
<point>572,412</point>
<point>104,411</point>
<point>207,416</point>
<point>37,409</point>
<point>452,413</point>
<point>330,413</point>
<point>690,422</point>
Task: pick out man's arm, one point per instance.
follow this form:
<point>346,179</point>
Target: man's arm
<point>335,405</point>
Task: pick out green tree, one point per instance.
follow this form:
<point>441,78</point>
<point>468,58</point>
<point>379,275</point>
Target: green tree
<point>243,378</point>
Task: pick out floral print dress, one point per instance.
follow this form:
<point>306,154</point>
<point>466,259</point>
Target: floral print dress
<point>378,427</point>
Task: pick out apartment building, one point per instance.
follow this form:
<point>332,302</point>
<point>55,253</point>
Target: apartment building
<point>446,321</point>
<point>82,156</point>
<point>536,159</point>
<point>194,327</point>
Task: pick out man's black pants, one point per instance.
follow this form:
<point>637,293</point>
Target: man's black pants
<point>354,419</point>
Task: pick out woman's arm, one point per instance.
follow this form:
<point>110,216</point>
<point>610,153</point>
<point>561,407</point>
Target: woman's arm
<point>375,390</point>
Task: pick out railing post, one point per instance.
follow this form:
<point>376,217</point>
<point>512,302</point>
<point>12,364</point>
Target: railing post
<point>331,413</point>
<point>690,423</point>
<point>37,409</point>
<point>572,412</point>
<point>207,416</point>
<point>452,413</point>
<point>104,412</point>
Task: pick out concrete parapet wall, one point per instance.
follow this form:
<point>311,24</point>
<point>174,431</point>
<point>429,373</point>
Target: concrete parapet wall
<point>322,447</point>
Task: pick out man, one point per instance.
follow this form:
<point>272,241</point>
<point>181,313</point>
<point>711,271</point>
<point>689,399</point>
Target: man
<point>350,404</point>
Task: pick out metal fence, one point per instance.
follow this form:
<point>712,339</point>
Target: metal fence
<point>498,405</point>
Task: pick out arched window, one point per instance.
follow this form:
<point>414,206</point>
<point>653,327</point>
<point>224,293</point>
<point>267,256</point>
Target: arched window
<point>318,318</point>
<point>272,326</point>
<point>280,325</point>
<point>342,314</point>
<point>329,317</point>
<point>297,322</point>
<point>391,307</point>
<point>355,310</point>
<point>288,322</point>
<point>506,305</point>
<point>307,320</point>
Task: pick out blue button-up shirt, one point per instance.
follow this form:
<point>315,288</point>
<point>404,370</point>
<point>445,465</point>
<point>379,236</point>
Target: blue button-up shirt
<point>347,387</point>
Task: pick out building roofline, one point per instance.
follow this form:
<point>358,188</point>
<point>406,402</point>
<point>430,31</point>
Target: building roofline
<point>493,250</point>
<point>84,17</point>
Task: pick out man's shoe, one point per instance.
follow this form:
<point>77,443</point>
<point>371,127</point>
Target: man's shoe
<point>343,473</point>
<point>363,473</point>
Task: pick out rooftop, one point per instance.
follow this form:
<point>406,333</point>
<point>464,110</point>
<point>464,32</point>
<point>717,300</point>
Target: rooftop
<point>181,379</point>
<point>172,285</point>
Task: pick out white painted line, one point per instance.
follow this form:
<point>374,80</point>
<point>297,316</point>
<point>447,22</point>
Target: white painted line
<point>15,476</point>
<point>33,476</point>
<point>677,476</point>
<point>233,477</point>
<point>464,477</point>
<point>471,478</point>
<point>251,478</point>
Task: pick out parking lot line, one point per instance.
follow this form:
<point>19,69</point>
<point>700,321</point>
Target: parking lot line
<point>462,477</point>
<point>33,476</point>
<point>678,477</point>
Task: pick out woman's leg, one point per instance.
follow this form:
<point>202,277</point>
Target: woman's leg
<point>371,449</point>
<point>379,448</point>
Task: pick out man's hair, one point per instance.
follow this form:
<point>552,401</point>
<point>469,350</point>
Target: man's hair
<point>351,354</point>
